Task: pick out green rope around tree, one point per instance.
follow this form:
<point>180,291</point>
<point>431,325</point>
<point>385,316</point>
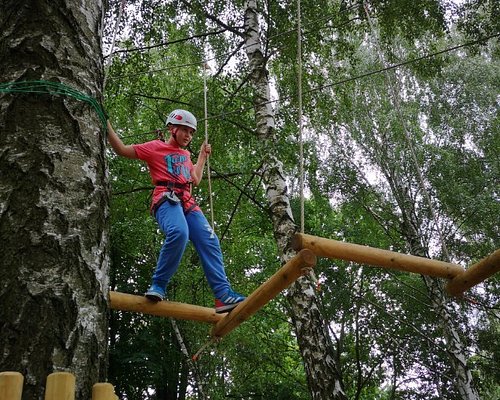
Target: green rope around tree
<point>54,88</point>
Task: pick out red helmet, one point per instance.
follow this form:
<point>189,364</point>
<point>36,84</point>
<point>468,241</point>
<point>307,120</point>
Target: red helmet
<point>182,117</point>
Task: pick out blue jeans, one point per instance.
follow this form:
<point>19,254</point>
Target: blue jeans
<point>178,229</point>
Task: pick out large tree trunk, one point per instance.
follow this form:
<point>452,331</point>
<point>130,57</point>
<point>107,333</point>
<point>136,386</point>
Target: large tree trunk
<point>322,371</point>
<point>454,344</point>
<point>440,302</point>
<point>53,197</point>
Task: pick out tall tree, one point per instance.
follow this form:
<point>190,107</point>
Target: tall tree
<point>54,199</point>
<point>323,371</point>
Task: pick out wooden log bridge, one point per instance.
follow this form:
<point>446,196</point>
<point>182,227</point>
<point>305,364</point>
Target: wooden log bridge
<point>460,279</point>
<point>372,256</point>
<point>140,304</point>
<point>223,323</point>
<point>474,274</point>
<point>297,266</point>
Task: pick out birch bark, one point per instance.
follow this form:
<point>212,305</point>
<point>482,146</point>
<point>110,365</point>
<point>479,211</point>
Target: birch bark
<point>53,197</point>
<point>322,367</point>
<point>435,287</point>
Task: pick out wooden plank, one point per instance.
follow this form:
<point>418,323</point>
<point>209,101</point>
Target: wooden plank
<point>372,256</point>
<point>474,274</point>
<point>11,385</point>
<point>103,391</point>
<point>60,386</point>
<point>284,277</point>
<point>130,302</point>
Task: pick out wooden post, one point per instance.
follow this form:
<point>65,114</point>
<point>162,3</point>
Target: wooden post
<point>60,386</point>
<point>103,391</point>
<point>130,302</point>
<point>284,277</point>
<point>369,255</point>
<point>11,385</point>
<point>474,274</point>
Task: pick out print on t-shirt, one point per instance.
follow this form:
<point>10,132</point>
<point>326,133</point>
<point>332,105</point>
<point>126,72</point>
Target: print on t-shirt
<point>176,165</point>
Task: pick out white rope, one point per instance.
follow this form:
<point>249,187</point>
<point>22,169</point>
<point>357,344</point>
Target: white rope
<point>397,103</point>
<point>310,271</point>
<point>205,68</point>
<point>300,116</point>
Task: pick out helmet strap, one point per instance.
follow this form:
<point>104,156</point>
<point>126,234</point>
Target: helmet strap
<point>173,133</point>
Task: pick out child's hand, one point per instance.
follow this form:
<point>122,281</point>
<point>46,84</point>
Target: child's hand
<point>206,148</point>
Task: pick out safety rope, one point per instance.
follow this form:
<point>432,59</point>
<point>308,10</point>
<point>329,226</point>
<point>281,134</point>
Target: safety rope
<point>205,106</point>
<point>397,103</point>
<point>300,116</point>
<point>208,343</point>
<point>53,88</point>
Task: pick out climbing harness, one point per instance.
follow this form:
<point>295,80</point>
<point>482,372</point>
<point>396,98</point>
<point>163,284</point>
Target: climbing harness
<point>171,195</point>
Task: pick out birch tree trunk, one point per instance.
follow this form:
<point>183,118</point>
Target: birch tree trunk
<point>440,302</point>
<point>192,366</point>
<point>53,197</point>
<point>322,369</point>
<point>454,344</point>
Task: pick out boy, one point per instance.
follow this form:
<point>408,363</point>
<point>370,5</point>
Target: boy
<point>176,211</point>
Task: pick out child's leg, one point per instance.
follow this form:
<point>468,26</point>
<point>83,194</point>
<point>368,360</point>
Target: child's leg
<point>207,245</point>
<point>173,224</point>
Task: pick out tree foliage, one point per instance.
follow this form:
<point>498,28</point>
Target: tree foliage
<point>361,180</point>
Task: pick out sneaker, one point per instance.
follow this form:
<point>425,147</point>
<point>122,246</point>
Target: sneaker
<point>228,301</point>
<point>155,293</point>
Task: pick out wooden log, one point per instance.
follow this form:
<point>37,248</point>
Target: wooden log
<point>284,277</point>
<point>140,304</point>
<point>103,391</point>
<point>60,386</point>
<point>475,274</point>
<point>369,255</point>
<point>11,385</point>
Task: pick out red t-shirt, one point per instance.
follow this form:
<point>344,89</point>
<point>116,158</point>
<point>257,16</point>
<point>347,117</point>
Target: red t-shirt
<point>168,163</point>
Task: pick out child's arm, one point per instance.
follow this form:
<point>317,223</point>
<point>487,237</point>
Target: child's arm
<point>118,146</point>
<point>197,172</point>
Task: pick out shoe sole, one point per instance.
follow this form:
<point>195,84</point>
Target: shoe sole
<point>222,309</point>
<point>156,297</point>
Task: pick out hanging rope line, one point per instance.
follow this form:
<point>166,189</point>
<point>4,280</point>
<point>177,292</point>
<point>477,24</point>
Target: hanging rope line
<point>300,117</point>
<point>214,58</point>
<point>286,33</point>
<point>299,89</point>
<point>53,88</point>
<point>361,76</point>
<point>397,102</point>
<point>205,106</point>
<point>342,81</point>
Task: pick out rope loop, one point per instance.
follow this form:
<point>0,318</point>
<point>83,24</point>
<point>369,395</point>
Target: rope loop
<point>54,88</point>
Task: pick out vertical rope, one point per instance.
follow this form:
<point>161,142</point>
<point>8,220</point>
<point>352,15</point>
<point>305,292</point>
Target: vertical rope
<point>397,103</point>
<point>312,275</point>
<point>301,142</point>
<point>205,106</point>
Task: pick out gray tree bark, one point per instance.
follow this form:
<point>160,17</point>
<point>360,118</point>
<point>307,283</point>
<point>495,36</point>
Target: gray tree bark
<point>411,228</point>
<point>321,365</point>
<point>53,197</point>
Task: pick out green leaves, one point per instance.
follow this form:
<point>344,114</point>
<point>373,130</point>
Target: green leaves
<point>361,176</point>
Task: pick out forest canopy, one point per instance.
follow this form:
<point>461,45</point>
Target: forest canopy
<point>400,114</point>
